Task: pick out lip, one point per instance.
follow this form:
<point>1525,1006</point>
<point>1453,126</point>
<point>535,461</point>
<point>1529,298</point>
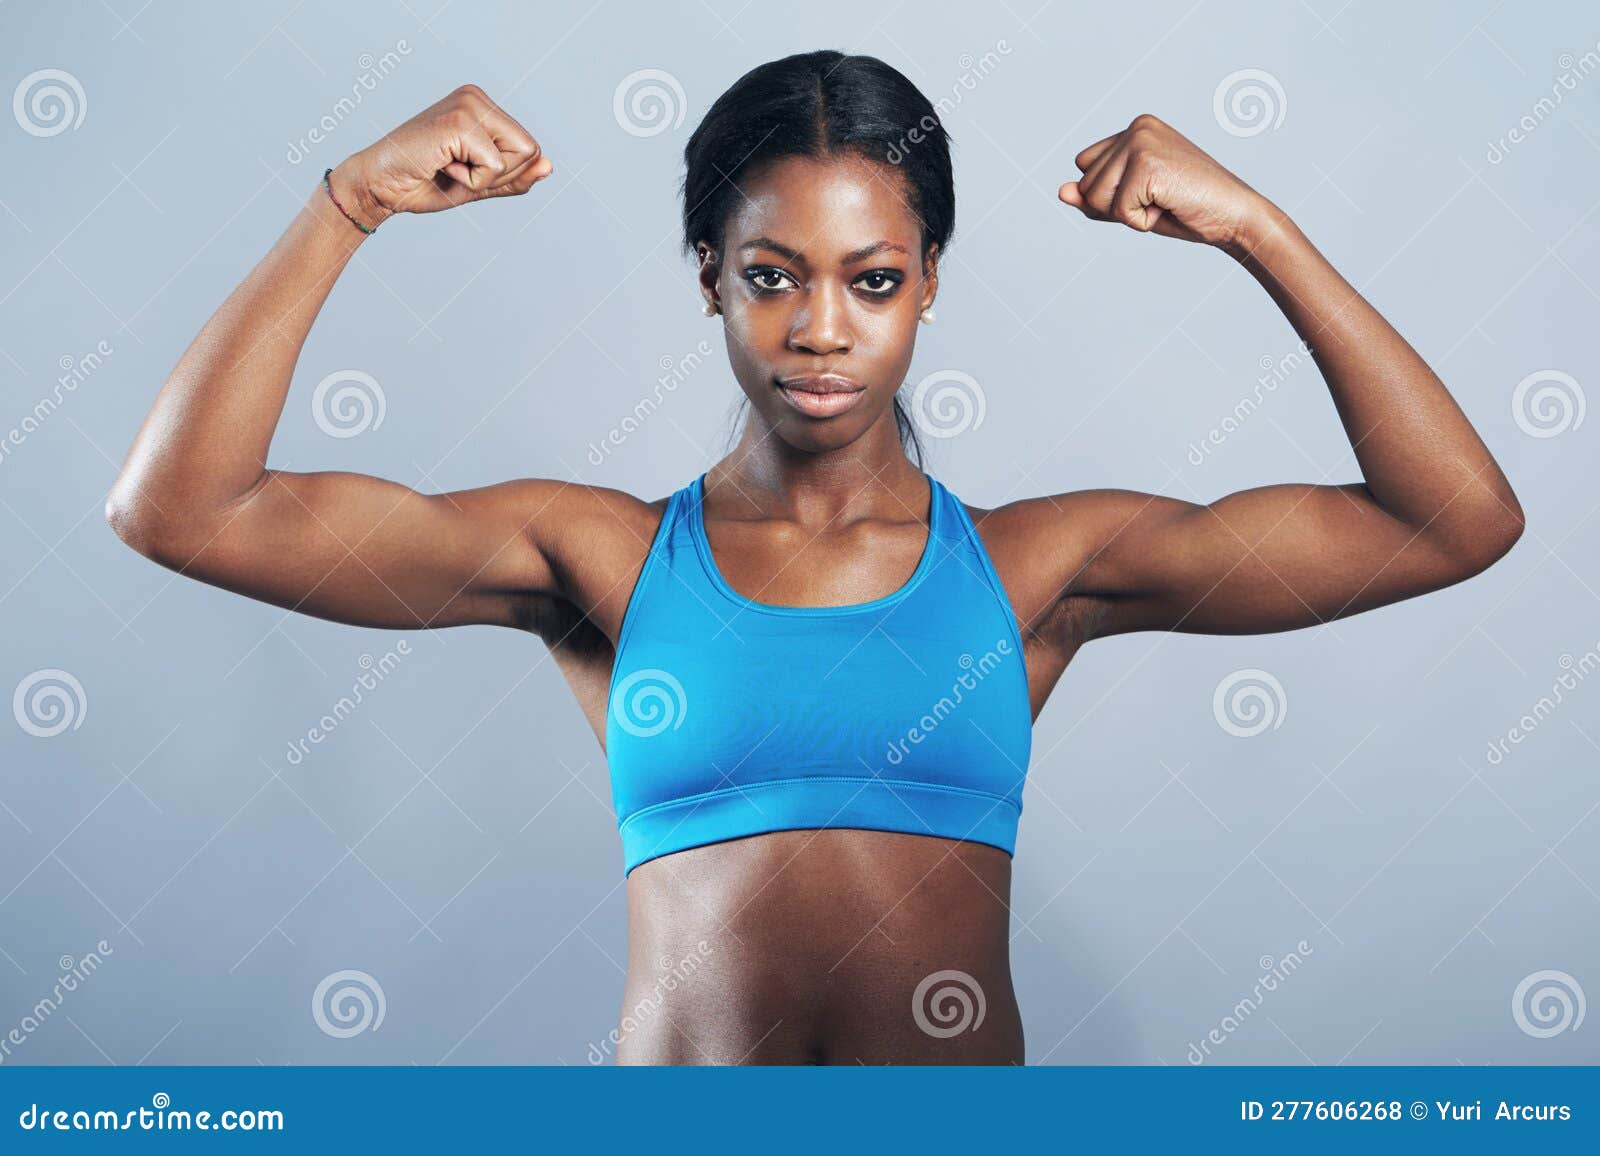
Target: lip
<point>821,394</point>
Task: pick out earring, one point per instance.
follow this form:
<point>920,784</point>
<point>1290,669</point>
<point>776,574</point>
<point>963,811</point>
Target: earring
<point>927,316</point>
<point>709,309</point>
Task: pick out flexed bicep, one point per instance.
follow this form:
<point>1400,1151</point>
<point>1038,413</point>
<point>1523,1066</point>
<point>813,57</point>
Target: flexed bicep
<point>1267,559</point>
<point>372,552</point>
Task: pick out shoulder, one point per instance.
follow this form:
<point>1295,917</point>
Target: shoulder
<point>590,538</point>
<point>1075,523</point>
<point>1048,550</point>
<point>553,508</point>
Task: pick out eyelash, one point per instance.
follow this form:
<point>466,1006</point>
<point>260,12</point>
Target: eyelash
<point>893,276</point>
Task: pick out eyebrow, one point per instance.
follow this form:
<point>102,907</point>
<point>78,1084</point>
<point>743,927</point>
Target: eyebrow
<point>849,258</point>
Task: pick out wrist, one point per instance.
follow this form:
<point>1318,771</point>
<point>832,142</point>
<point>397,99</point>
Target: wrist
<point>1257,230</point>
<point>353,194</point>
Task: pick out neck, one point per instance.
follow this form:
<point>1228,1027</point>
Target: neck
<point>871,476</point>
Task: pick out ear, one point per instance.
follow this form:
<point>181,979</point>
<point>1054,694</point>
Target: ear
<point>710,272</point>
<point>930,276</point>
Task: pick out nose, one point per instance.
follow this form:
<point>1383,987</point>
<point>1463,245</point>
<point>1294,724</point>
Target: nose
<point>822,324</point>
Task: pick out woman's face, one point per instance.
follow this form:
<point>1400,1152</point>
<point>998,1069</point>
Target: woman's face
<point>820,282</point>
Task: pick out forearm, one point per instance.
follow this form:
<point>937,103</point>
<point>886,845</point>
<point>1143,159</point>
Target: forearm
<point>1419,456</point>
<point>205,441</point>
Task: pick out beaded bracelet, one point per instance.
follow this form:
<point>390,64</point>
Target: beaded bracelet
<point>341,208</point>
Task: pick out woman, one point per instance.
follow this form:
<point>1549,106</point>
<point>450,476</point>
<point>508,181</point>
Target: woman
<point>813,669</point>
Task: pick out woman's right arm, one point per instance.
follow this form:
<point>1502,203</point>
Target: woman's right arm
<point>195,493</point>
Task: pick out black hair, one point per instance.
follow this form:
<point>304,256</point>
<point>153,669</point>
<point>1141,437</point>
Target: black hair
<point>818,104</point>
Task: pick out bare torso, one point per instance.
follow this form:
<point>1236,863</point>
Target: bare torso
<point>798,947</point>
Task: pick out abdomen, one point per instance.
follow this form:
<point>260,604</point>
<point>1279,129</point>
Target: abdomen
<point>821,946</point>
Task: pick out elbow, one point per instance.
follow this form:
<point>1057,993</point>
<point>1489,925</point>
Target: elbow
<point>1491,535</point>
<point>138,519</point>
<point>1509,522</point>
<point>165,520</point>
<point>127,521</point>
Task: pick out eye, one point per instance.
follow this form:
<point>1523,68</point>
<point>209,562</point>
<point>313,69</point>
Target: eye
<point>759,278</point>
<point>883,281</point>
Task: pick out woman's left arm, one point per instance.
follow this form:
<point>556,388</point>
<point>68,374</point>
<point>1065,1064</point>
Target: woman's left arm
<point>1433,507</point>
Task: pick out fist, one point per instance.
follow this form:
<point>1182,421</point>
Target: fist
<point>465,148</point>
<point>1152,178</point>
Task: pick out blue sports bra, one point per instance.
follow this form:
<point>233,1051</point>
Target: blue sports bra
<point>728,717</point>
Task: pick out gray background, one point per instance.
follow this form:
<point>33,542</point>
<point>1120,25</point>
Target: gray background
<point>453,838</point>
